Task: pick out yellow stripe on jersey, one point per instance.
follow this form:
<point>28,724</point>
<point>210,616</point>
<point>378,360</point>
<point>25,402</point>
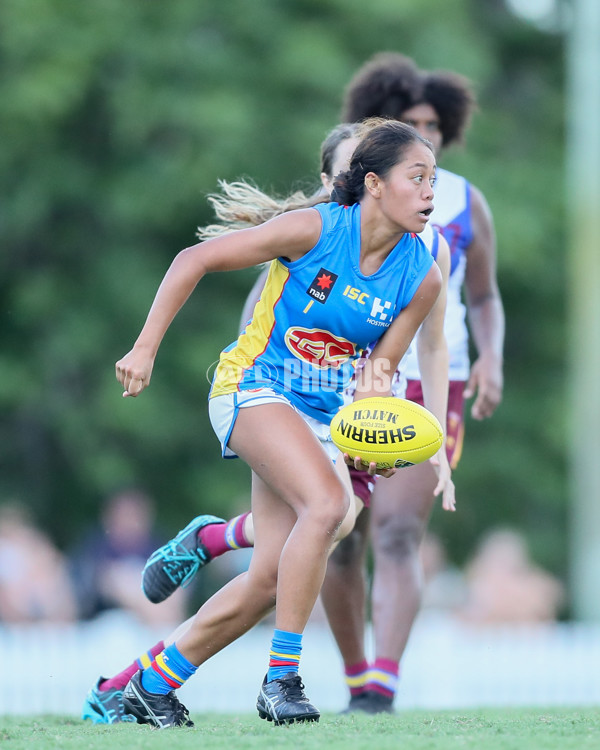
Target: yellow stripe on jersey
<point>255,339</point>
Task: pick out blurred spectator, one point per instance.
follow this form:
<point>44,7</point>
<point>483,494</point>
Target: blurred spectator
<point>34,581</point>
<point>108,563</point>
<point>505,586</point>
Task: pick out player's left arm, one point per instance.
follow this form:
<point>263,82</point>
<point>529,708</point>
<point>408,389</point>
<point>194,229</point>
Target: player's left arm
<point>432,353</point>
<point>375,378</point>
<point>485,311</point>
<point>432,348</point>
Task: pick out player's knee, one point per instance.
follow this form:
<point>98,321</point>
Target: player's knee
<point>328,511</point>
<point>348,523</point>
<point>264,588</point>
<point>397,537</point>
<point>350,551</point>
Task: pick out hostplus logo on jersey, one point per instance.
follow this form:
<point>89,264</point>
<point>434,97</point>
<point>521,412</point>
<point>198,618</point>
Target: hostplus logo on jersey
<point>381,313</point>
<point>321,285</point>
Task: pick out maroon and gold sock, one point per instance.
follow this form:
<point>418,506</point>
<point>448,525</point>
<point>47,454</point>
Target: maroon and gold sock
<point>119,681</point>
<point>383,677</point>
<point>357,676</point>
<point>222,537</point>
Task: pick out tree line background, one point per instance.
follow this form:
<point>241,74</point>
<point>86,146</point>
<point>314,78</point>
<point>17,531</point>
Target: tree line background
<point>117,118</point>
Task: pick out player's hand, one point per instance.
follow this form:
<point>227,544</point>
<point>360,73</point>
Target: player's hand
<point>445,485</point>
<point>370,468</point>
<point>485,380</point>
<point>134,371</point>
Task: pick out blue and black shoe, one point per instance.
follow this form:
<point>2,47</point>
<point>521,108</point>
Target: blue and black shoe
<point>176,563</point>
<point>283,701</point>
<point>160,711</point>
<point>105,706</point>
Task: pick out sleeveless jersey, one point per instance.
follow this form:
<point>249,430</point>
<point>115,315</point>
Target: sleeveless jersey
<point>431,240</point>
<point>452,216</point>
<point>317,314</point>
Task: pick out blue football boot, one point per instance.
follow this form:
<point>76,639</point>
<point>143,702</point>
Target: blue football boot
<point>176,563</point>
<point>105,706</point>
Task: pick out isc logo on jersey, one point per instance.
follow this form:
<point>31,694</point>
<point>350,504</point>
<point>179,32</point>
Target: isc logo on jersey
<point>318,347</point>
<point>380,314</point>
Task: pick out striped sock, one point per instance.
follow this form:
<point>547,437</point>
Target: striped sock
<point>222,537</point>
<point>119,681</point>
<point>169,670</point>
<point>357,676</point>
<point>285,652</point>
<point>383,677</point>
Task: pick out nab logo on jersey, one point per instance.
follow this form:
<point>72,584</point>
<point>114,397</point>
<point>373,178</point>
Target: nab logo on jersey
<point>322,285</point>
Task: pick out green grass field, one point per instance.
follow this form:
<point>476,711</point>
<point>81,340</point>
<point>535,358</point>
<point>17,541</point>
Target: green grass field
<point>486,729</point>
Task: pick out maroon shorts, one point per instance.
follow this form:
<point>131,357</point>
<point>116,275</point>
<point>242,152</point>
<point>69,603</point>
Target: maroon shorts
<point>363,483</point>
<point>455,423</point>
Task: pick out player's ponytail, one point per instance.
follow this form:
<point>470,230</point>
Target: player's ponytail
<point>240,205</point>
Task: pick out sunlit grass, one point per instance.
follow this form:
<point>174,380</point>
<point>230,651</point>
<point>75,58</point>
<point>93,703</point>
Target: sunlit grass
<point>486,729</point>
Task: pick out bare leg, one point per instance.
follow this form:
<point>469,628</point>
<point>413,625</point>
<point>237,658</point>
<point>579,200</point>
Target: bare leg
<point>298,503</point>
<point>401,507</point>
<point>344,592</point>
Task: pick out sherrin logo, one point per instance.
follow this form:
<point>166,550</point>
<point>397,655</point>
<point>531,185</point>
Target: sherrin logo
<point>318,347</point>
<point>376,434</point>
<point>392,432</point>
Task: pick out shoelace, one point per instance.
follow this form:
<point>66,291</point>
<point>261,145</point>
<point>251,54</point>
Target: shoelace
<point>293,689</point>
<point>175,554</point>
<point>180,712</point>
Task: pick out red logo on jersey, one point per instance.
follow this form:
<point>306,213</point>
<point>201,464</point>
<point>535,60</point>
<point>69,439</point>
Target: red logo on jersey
<point>319,348</point>
<point>321,285</point>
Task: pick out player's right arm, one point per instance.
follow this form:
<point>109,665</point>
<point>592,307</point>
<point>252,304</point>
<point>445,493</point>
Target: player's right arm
<point>296,231</point>
<point>486,313</point>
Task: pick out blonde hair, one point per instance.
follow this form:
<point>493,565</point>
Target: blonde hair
<point>241,204</point>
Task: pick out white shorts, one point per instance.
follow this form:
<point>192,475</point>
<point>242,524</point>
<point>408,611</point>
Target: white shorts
<point>223,411</point>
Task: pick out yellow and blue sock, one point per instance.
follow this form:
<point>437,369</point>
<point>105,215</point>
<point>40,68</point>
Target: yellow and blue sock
<point>285,653</point>
<point>169,670</point>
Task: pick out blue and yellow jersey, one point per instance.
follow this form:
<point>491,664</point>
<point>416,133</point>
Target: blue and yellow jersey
<point>317,314</point>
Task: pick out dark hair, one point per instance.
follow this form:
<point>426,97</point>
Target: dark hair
<point>390,83</point>
<point>381,147</point>
<point>338,135</point>
<point>385,86</point>
<point>451,96</point>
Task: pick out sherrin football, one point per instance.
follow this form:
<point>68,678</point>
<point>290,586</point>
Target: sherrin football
<point>391,431</point>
